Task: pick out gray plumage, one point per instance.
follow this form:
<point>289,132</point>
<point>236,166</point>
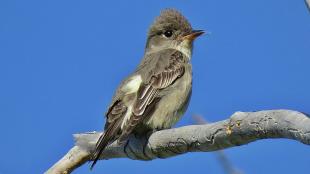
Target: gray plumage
<point>156,95</point>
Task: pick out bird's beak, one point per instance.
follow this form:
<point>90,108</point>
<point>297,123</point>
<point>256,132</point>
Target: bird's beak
<point>192,35</point>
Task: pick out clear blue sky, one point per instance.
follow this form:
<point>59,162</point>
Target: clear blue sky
<point>60,62</point>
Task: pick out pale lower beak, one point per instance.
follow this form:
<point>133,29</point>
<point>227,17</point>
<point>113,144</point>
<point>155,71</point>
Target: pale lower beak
<point>193,35</point>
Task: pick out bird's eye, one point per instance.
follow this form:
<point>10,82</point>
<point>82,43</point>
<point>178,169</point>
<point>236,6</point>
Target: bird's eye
<point>168,33</point>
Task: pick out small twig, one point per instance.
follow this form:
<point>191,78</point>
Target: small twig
<point>308,4</point>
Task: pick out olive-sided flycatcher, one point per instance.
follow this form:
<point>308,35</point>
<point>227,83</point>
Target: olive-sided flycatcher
<point>157,93</point>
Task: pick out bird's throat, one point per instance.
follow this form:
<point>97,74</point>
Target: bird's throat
<point>185,47</point>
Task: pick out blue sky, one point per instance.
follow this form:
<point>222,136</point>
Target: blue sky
<point>60,62</point>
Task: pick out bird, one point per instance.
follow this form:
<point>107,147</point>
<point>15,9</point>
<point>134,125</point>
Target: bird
<point>157,93</point>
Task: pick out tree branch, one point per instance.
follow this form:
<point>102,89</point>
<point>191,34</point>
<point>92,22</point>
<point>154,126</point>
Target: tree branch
<point>242,128</point>
<point>221,156</point>
<point>308,4</point>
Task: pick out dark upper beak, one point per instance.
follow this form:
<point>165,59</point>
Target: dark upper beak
<point>193,34</point>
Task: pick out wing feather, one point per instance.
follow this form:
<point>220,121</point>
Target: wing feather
<point>162,76</point>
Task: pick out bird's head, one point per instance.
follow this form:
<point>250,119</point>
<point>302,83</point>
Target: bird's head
<point>171,30</point>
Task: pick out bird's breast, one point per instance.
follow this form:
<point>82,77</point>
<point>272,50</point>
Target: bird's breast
<point>173,102</point>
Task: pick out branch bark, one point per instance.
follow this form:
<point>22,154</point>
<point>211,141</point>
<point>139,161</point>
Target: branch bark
<point>221,156</point>
<point>241,128</point>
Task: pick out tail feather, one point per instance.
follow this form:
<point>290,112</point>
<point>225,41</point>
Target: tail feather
<point>101,144</point>
<point>105,139</point>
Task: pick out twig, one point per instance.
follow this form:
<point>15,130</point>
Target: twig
<point>308,4</point>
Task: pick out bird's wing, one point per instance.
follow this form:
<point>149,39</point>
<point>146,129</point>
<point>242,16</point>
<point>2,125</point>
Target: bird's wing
<point>162,70</point>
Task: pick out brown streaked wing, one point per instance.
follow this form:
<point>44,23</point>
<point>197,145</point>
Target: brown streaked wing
<point>117,110</point>
<point>160,79</point>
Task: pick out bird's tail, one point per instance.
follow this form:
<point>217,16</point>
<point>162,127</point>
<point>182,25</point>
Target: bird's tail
<point>104,140</point>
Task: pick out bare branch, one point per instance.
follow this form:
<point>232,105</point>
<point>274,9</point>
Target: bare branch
<point>221,156</point>
<point>242,128</point>
<point>72,160</point>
